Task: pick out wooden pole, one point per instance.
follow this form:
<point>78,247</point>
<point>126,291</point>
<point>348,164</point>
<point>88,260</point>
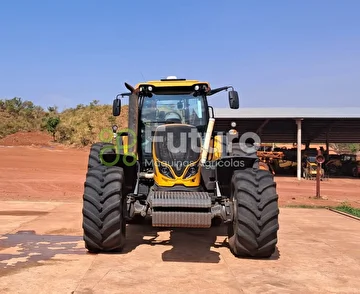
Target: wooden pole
<point>319,161</point>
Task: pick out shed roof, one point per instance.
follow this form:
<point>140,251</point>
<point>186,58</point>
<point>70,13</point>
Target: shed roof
<point>339,125</point>
<point>286,112</point>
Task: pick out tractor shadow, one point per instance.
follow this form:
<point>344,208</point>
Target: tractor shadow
<point>26,249</point>
<point>186,244</point>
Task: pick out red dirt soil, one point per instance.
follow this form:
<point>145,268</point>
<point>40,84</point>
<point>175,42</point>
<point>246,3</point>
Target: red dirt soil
<point>54,173</point>
<point>27,139</point>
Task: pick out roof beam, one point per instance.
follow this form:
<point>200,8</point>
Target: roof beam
<point>260,128</point>
<point>283,130</point>
<point>324,129</point>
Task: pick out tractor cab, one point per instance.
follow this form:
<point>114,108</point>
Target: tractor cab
<point>166,102</point>
<point>309,168</point>
<point>171,101</point>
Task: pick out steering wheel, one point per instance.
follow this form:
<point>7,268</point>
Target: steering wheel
<point>173,112</point>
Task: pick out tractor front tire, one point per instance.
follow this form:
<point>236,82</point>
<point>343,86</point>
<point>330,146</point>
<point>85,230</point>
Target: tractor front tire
<point>253,232</point>
<point>104,210</point>
<point>95,152</point>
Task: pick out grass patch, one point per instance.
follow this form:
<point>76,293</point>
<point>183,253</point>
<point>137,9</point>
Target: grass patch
<point>305,206</point>
<point>348,209</point>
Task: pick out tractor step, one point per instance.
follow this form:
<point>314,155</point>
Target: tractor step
<point>181,209</point>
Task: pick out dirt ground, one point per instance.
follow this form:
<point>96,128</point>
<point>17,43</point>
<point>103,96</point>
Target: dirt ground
<point>41,186</point>
<point>27,139</point>
<point>54,173</point>
<point>42,251</point>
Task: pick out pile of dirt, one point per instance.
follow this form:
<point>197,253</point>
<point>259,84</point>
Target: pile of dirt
<point>36,138</point>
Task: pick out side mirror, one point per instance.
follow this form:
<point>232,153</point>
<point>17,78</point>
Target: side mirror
<point>116,107</point>
<point>233,99</point>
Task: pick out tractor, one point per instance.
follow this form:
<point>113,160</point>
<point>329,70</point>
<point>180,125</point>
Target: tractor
<point>309,168</point>
<point>172,166</point>
<point>342,165</point>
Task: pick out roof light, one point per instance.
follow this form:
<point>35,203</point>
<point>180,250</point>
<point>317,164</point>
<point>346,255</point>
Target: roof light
<point>171,78</point>
<point>197,87</point>
<point>150,88</point>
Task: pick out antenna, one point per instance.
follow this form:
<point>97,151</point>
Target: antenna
<point>142,76</point>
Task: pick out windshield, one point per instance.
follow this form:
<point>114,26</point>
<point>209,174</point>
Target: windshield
<point>312,159</point>
<point>186,109</point>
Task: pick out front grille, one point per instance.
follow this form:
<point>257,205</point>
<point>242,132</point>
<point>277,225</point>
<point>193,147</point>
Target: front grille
<point>181,209</point>
<point>177,145</point>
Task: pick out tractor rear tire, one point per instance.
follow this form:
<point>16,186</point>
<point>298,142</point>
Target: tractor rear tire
<point>253,232</point>
<point>332,169</point>
<point>94,156</point>
<point>104,209</point>
<point>355,172</point>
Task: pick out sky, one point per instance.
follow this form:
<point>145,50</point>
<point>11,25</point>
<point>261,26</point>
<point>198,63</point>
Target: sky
<point>274,53</point>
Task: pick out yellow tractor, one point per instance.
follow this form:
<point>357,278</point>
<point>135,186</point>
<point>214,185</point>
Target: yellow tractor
<point>310,168</point>
<point>171,165</point>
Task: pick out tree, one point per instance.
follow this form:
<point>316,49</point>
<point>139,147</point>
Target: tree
<point>51,125</point>
<point>94,102</point>
<point>13,106</point>
<point>53,109</point>
<point>345,148</point>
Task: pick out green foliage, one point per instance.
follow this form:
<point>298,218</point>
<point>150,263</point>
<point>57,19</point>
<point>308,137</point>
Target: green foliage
<point>307,206</point>
<point>85,123</point>
<point>346,148</point>
<point>344,207</point>
<point>53,109</point>
<point>17,115</point>
<point>112,120</point>
<point>80,126</point>
<point>93,103</point>
<point>51,125</point>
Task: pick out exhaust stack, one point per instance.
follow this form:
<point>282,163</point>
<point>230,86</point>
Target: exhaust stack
<point>133,123</point>
<point>208,134</point>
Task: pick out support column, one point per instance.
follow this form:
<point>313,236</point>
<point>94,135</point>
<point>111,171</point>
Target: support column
<point>327,146</point>
<point>298,145</point>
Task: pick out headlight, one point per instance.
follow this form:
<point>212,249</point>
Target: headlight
<point>165,171</point>
<point>192,171</point>
<point>114,128</point>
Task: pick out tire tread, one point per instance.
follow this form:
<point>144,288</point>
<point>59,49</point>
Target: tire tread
<point>103,219</point>
<point>255,226</point>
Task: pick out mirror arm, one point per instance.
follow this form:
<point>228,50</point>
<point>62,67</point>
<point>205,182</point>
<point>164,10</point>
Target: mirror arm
<point>217,90</point>
<point>123,94</point>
